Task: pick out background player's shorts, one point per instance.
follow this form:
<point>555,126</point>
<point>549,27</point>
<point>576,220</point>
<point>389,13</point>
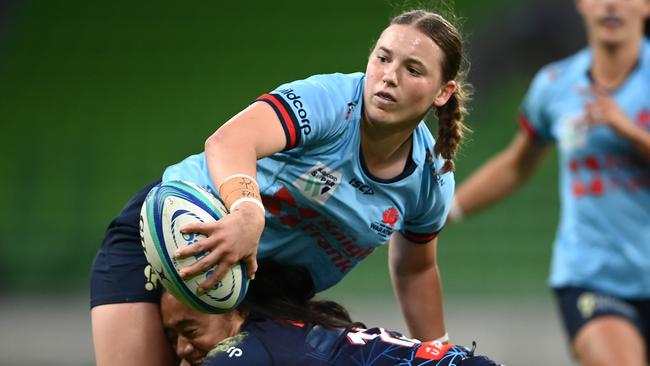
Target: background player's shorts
<point>120,272</point>
<point>580,305</point>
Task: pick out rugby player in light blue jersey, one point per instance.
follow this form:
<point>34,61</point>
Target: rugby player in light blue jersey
<point>595,106</point>
<point>316,174</point>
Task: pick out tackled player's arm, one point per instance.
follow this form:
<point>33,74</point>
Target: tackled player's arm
<point>502,174</point>
<point>416,282</point>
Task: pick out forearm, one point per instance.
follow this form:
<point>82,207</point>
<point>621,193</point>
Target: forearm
<point>237,145</point>
<point>420,297</point>
<point>638,137</point>
<point>490,184</point>
<point>226,156</point>
<point>501,175</point>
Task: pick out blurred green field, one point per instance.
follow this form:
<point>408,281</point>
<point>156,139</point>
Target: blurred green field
<point>97,98</point>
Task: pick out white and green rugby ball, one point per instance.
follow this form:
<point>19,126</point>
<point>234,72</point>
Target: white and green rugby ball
<point>168,207</point>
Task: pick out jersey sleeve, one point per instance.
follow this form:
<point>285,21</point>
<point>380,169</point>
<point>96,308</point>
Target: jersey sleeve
<point>312,110</point>
<point>250,351</point>
<point>533,116</point>
<point>428,219</point>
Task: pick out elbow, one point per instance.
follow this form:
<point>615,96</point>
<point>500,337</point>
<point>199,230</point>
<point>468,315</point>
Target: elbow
<point>524,172</point>
<point>214,140</point>
<point>405,270</point>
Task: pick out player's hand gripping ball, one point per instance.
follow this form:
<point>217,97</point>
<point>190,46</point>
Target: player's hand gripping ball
<point>168,207</point>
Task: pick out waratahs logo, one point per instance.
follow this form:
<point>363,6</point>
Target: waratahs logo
<point>389,218</point>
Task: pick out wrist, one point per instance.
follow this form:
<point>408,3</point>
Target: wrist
<point>248,202</point>
<point>625,127</point>
<point>239,189</point>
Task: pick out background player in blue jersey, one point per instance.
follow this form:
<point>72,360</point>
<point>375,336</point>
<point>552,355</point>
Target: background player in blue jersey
<point>273,328</point>
<point>343,163</point>
<point>596,106</point>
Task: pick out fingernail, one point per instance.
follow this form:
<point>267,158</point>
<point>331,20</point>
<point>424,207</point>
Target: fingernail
<point>182,273</point>
<point>252,277</point>
<point>177,254</point>
<point>200,291</point>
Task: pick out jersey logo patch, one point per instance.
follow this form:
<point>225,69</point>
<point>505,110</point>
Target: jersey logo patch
<point>433,350</point>
<point>337,243</point>
<point>319,183</point>
<point>234,352</point>
<point>299,108</point>
<point>573,132</point>
<point>366,189</point>
<point>386,226</point>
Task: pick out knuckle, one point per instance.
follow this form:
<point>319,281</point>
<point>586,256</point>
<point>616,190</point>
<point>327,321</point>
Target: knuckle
<point>205,265</point>
<point>230,259</point>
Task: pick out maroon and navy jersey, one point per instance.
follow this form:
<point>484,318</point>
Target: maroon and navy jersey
<point>267,342</point>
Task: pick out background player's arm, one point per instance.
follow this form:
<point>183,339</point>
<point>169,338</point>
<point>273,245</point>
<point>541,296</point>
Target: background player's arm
<point>416,282</point>
<point>501,175</point>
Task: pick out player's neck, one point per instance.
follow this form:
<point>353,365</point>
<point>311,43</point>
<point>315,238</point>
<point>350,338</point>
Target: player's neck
<point>611,65</point>
<point>385,155</point>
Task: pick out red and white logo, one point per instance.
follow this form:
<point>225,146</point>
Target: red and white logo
<point>433,350</point>
<point>386,226</point>
<point>390,216</point>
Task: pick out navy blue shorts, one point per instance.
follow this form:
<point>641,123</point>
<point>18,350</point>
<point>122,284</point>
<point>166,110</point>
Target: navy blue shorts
<point>120,271</point>
<point>580,305</point>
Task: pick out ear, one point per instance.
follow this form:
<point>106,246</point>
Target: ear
<point>445,93</point>
<point>578,4</point>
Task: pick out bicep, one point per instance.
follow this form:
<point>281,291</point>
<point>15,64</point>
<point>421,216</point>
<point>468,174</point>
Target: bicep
<point>406,256</point>
<point>257,126</point>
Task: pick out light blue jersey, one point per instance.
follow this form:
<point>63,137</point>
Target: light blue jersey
<point>324,210</point>
<point>603,240</point>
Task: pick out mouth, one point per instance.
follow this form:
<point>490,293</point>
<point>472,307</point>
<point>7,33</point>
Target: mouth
<point>196,361</point>
<point>610,21</point>
<point>385,97</point>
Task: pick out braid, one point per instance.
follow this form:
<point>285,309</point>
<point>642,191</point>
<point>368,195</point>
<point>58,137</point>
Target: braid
<point>454,67</point>
<point>451,127</point>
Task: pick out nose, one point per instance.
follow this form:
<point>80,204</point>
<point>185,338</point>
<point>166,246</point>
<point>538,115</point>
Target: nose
<point>610,5</point>
<point>183,347</point>
<point>390,75</point>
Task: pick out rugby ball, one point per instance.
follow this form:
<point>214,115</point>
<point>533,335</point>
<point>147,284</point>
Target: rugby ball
<point>167,208</point>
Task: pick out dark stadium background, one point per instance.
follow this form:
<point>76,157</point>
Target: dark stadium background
<point>97,98</point>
